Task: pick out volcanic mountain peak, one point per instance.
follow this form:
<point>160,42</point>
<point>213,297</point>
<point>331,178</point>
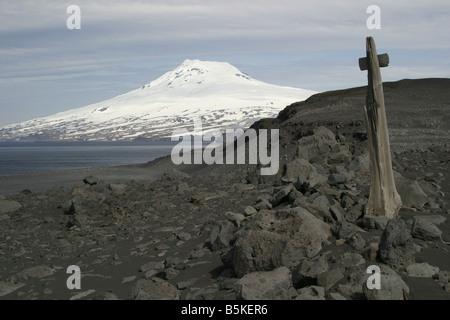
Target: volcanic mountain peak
<point>216,92</point>
<point>195,73</point>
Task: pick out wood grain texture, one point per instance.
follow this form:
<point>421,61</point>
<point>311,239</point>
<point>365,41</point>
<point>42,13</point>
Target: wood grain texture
<point>383,199</point>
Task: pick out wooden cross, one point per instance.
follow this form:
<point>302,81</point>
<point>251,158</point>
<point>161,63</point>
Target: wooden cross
<point>383,60</point>
<point>383,199</point>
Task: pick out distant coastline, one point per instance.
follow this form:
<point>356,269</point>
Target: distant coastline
<point>36,157</point>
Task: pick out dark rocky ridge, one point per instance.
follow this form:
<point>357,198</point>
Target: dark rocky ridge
<point>225,232</point>
<point>417,113</point>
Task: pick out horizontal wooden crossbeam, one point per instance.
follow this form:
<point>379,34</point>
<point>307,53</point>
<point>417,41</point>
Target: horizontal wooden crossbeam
<point>383,60</point>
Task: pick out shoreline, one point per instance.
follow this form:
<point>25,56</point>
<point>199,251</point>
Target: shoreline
<point>44,181</point>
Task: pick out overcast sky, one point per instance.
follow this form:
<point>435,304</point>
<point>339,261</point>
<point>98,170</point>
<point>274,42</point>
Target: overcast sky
<point>46,68</point>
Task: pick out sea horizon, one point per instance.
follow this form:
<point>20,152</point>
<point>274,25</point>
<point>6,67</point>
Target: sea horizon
<point>23,157</point>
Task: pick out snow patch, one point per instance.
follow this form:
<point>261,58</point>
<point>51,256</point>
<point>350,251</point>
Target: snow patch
<point>217,91</point>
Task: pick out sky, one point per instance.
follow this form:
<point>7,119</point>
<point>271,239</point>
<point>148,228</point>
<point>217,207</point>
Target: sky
<point>46,68</point>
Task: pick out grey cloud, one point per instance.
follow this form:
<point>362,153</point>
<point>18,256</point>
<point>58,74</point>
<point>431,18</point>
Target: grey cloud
<point>288,42</point>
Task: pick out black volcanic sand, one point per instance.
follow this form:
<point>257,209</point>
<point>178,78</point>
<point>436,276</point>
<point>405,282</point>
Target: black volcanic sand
<point>158,219</point>
<point>38,182</point>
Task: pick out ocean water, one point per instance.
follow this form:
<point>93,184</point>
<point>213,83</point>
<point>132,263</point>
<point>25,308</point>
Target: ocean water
<point>32,157</point>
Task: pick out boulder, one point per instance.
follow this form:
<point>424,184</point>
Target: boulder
<point>430,188</point>
<point>410,192</point>
<point>235,218</point>
<point>396,247</point>
<point>340,155</point>
<point>350,260</point>
<point>169,273</point>
<point>354,213</point>
<point>357,242</point>
<point>337,213</point>
<point>425,230</point>
<point>154,289</point>
<point>307,234</point>
<point>257,250</point>
<point>345,230</point>
<point>307,271</point>
<point>302,184</point>
<point>90,180</point>
<point>311,293</point>
<point>317,180</point>
<point>204,293</point>
<point>375,222</point>
<point>264,219</point>
<point>288,236</point>
<point>248,211</point>
<point>435,219</point>
<point>282,194</point>
<point>262,204</point>
<point>392,287</point>
<point>90,199</point>
<point>295,195</point>
<point>315,148</point>
<point>421,270</point>
<point>221,235</point>
<point>265,285</point>
<point>319,205</point>
<point>354,287</point>
<point>370,253</point>
<point>297,167</point>
<point>360,165</point>
<point>9,206</point>
<point>329,278</point>
<point>335,179</point>
<point>183,285</point>
<point>322,203</point>
<point>347,202</point>
<point>341,228</point>
<point>443,280</point>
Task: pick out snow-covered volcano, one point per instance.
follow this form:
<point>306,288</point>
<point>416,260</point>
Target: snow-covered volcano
<point>216,92</point>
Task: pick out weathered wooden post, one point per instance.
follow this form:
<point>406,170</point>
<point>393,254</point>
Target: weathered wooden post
<point>383,199</point>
